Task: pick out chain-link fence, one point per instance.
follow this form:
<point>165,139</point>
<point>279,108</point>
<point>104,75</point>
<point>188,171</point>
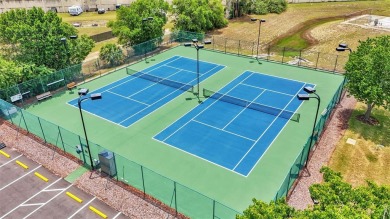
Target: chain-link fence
<point>170,193</point>
<point>302,158</point>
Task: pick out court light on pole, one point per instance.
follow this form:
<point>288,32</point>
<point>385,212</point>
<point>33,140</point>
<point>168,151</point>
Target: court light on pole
<point>342,47</point>
<point>144,21</point>
<point>82,97</point>
<point>197,47</point>
<point>64,41</point>
<point>258,37</point>
<point>310,90</point>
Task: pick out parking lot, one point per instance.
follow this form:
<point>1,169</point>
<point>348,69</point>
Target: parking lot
<point>28,190</point>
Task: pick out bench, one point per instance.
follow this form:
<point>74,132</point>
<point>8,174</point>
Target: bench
<point>43,96</point>
<point>71,85</point>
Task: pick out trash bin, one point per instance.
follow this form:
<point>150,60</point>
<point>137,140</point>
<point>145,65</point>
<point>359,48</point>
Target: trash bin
<point>107,163</point>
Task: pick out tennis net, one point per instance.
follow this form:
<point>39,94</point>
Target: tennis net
<point>251,105</point>
<point>156,79</point>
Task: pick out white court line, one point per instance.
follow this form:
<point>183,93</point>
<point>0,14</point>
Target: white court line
<point>153,83</point>
<point>232,133</point>
<point>274,139</point>
<point>128,98</point>
<point>267,89</point>
<point>35,204</point>
<point>20,177</point>
<point>47,201</point>
<point>117,215</point>
<point>10,161</point>
<point>277,117</point>
<point>164,98</point>
<point>242,110</point>
<point>203,109</point>
<point>29,198</point>
<point>80,209</point>
<point>202,158</point>
<point>181,69</point>
<point>288,79</point>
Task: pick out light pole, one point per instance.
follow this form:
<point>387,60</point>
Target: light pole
<point>310,90</point>
<point>197,47</point>
<point>82,97</point>
<point>144,21</point>
<point>64,41</point>
<point>258,37</point>
<point>342,47</point>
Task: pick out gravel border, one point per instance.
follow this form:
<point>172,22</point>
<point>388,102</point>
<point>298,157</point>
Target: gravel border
<point>299,197</point>
<point>126,199</point>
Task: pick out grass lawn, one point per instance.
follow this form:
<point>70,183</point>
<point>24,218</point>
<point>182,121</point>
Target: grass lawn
<point>366,159</point>
<point>276,26</point>
<point>88,16</point>
<point>101,44</point>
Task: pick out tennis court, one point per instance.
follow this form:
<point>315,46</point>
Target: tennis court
<point>188,153</point>
<point>236,125</point>
<point>129,99</point>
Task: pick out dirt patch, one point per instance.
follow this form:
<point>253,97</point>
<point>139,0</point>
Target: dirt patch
<point>370,121</point>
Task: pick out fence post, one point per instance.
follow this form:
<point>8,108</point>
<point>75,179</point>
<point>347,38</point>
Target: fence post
<point>143,180</point>
<point>269,52</point>
<point>284,49</point>
<point>239,44</point>
<point>335,64</point>
<point>288,184</point>
<point>40,80</point>
<point>25,123</point>
<point>42,129</point>
<point>318,57</point>
<point>82,150</point>
<point>213,43</point>
<point>213,208</point>
<point>299,59</point>
<point>62,141</point>
<point>174,184</point>
<point>225,44</point>
<point>253,45</point>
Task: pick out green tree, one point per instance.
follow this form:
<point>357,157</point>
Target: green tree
<point>33,36</point>
<point>198,15</point>
<point>129,26</point>
<point>12,73</point>
<point>337,199</point>
<point>368,73</point>
<point>112,54</point>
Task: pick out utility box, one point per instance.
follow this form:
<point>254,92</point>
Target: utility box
<point>107,163</point>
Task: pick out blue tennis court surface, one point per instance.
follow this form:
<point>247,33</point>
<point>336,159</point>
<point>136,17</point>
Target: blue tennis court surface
<point>128,100</point>
<point>235,126</point>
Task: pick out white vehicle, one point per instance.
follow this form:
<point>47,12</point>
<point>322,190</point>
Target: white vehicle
<point>75,10</point>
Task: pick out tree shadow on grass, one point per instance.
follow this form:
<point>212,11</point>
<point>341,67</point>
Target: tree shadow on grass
<point>380,133</point>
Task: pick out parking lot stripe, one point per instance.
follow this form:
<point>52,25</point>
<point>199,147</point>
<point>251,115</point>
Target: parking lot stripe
<point>117,215</point>
<point>52,190</point>
<point>41,177</point>
<point>35,204</point>
<point>81,208</point>
<point>77,199</point>
<point>30,198</point>
<point>20,177</point>
<point>101,214</point>
<point>22,164</point>
<point>10,161</point>
<point>47,202</point>
<point>5,154</point>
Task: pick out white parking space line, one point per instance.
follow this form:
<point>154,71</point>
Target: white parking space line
<point>30,198</point>
<point>20,177</point>
<point>52,190</point>
<point>80,209</point>
<point>26,205</point>
<point>10,161</point>
<point>48,201</point>
<point>117,215</point>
